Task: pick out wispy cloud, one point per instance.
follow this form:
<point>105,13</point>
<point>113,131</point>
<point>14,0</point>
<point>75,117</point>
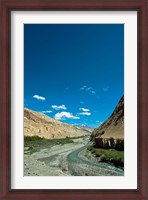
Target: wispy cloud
<point>64,115</point>
<point>105,89</point>
<point>74,124</point>
<point>84,109</point>
<point>61,107</point>
<point>83,87</point>
<point>81,102</point>
<point>39,97</point>
<point>88,89</point>
<point>85,113</point>
<point>47,111</point>
<point>93,92</point>
<point>99,122</point>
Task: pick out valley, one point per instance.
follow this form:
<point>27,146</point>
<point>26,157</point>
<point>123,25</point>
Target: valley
<point>68,159</point>
<point>54,148</point>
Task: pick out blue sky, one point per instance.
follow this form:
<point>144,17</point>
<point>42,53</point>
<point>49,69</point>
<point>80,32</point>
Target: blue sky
<point>74,72</point>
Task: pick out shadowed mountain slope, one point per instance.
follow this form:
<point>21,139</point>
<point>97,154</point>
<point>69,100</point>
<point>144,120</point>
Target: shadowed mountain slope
<point>113,126</point>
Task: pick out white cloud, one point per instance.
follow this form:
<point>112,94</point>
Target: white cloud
<point>83,87</point>
<point>105,89</point>
<point>64,115</point>
<point>39,97</point>
<point>74,124</point>
<point>62,107</point>
<point>84,109</point>
<point>84,124</point>
<point>99,122</point>
<point>88,89</point>
<point>47,111</point>
<point>93,92</point>
<point>81,102</point>
<point>85,113</point>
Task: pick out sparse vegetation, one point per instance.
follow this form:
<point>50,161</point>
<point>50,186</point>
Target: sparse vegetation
<point>32,138</point>
<point>110,156</point>
<point>35,143</point>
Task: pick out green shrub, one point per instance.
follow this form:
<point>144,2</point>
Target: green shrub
<point>89,148</point>
<point>109,155</point>
<point>32,138</point>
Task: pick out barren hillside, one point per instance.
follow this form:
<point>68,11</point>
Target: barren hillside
<point>114,125</point>
<point>36,123</point>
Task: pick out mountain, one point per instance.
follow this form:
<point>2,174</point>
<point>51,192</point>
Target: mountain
<point>86,128</point>
<point>37,123</point>
<point>113,126</point>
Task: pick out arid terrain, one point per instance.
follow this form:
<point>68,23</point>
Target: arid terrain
<point>53,148</point>
<point>114,125</point>
<point>69,159</point>
<point>39,124</point>
<point>110,134</point>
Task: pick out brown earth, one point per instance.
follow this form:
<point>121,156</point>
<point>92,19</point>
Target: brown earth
<point>39,124</point>
<point>113,127</point>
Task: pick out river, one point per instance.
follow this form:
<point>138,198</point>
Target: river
<point>70,159</point>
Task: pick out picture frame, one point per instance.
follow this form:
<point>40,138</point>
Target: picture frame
<point>5,99</point>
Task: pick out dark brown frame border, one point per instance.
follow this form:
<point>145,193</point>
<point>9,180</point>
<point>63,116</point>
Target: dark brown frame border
<point>6,6</point>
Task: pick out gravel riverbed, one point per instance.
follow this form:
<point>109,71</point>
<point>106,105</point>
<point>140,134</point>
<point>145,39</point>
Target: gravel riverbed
<point>66,160</point>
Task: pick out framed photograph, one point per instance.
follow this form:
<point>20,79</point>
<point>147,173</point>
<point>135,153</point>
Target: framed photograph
<point>73,100</point>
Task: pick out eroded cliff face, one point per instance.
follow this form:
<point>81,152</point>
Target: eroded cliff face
<point>111,133</point>
<point>36,123</point>
<point>109,143</point>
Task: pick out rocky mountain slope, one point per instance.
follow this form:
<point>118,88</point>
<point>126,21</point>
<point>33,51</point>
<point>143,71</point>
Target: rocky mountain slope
<point>36,123</point>
<point>85,128</point>
<point>113,127</point>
